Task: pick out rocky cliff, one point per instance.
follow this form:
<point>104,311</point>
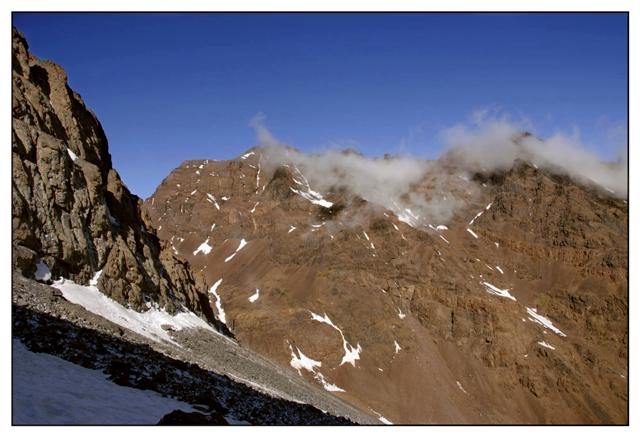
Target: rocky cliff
<point>72,216</point>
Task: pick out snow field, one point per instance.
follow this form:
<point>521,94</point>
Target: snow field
<point>48,390</point>
<point>148,324</point>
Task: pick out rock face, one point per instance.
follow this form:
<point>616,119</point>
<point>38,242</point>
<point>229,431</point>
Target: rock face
<point>72,215</point>
<point>514,311</point>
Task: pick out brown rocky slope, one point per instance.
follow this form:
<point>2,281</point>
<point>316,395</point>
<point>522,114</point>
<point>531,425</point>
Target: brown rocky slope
<point>515,315</point>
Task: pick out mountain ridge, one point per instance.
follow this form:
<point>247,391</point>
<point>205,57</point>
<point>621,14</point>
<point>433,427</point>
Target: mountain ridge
<point>303,256</point>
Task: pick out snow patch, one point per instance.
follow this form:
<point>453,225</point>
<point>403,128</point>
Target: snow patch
<point>472,233</point>
<point>300,361</point>
<point>212,199</point>
<point>213,290</point>
<point>240,246</point>
<point>500,270</point>
<point>326,385</point>
<point>291,229</point>
<point>254,296</point>
<point>397,346</point>
<point>408,217</point>
<point>385,420</point>
<point>474,219</point>
<point>148,324</point>
<point>461,387</point>
<point>381,418</point>
<point>351,354</point>
<point>72,155</point>
<point>401,315</point>
<point>313,197</point>
<point>48,390</point>
<point>547,345</point>
<point>490,288</point>
<point>310,195</point>
<point>543,321</point>
<point>42,271</point>
<point>94,279</point>
<point>254,207</point>
<point>246,155</point>
<point>441,228</point>
<point>205,248</point>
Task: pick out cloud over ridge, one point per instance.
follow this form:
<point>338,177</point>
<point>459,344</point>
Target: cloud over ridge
<point>485,144</point>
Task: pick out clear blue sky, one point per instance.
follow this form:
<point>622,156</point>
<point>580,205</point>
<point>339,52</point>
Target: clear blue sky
<point>171,87</point>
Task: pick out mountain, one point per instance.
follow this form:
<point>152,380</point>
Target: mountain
<point>93,285</point>
<point>284,288</point>
<point>496,296</point>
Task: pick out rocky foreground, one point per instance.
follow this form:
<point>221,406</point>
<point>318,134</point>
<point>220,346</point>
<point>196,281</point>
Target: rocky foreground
<point>223,381</point>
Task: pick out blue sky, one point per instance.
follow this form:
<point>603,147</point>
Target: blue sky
<point>171,87</point>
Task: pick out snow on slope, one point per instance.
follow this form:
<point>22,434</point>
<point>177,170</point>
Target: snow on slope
<point>42,271</point>
<point>240,246</point>
<point>205,248</point>
<point>72,155</point>
<point>254,296</point>
<point>407,216</point>
<point>221,314</point>
<point>310,195</point>
<point>212,199</point>
<point>543,321</point>
<point>547,345</point>
<point>148,324</point>
<point>351,354</point>
<point>490,288</point>
<point>301,361</point>
<point>48,390</point>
